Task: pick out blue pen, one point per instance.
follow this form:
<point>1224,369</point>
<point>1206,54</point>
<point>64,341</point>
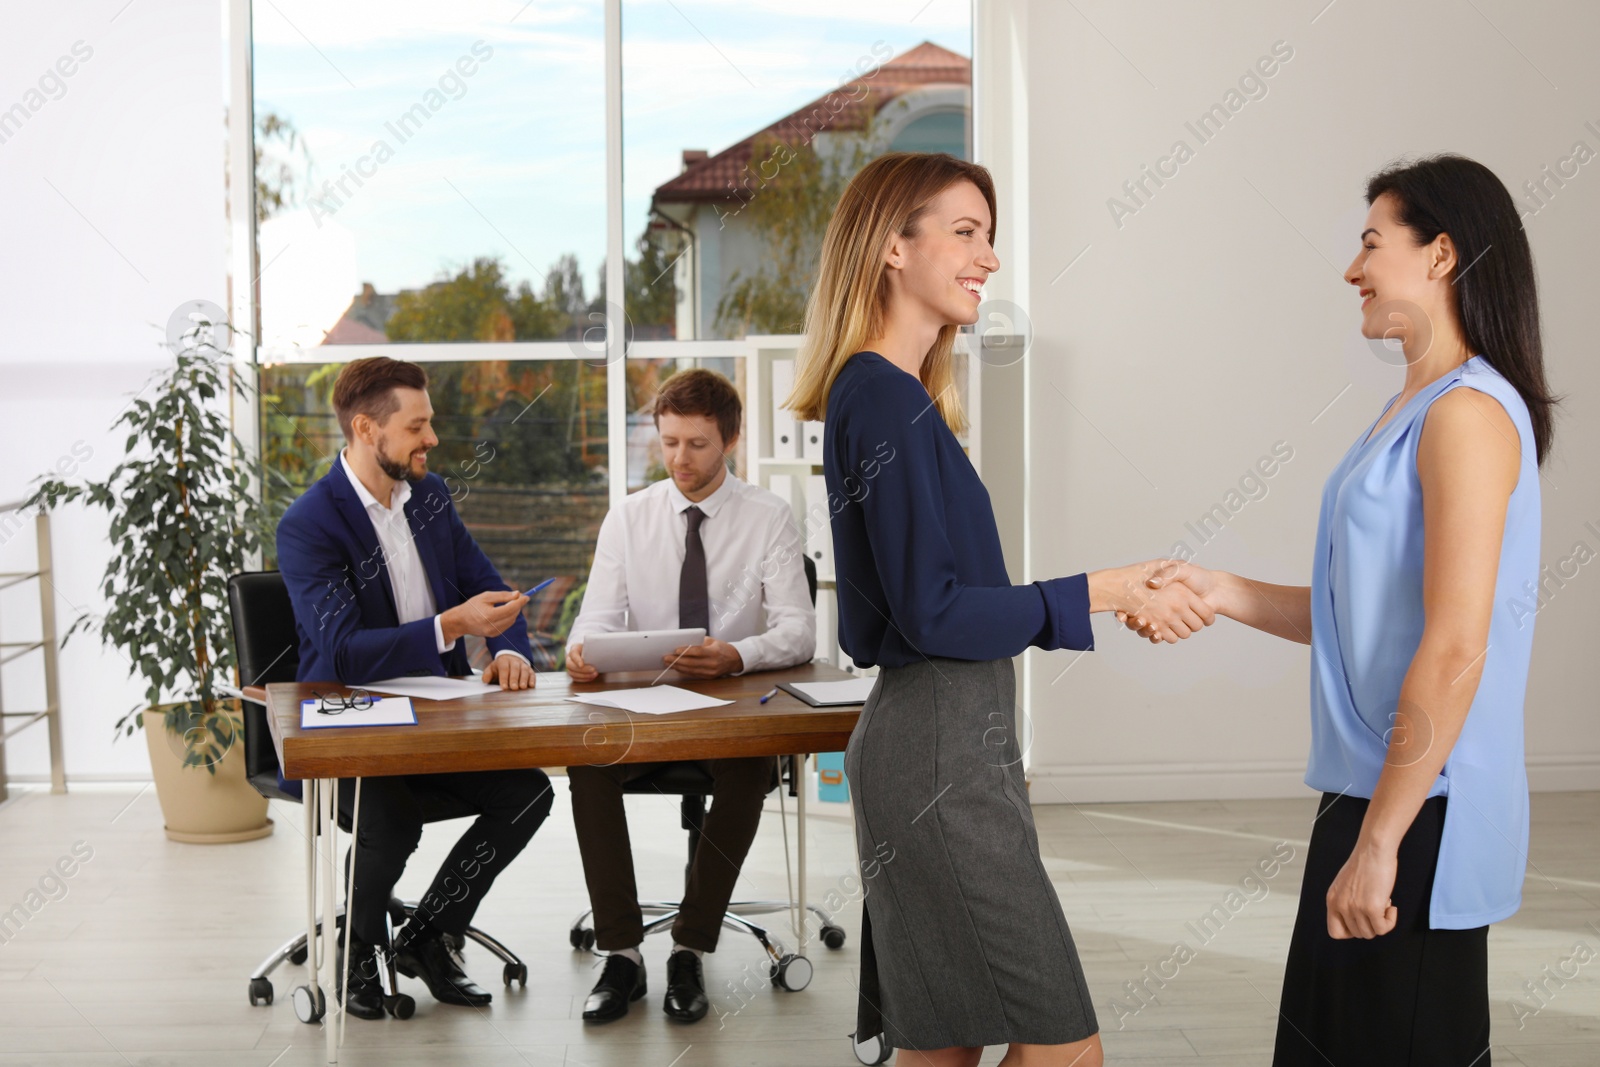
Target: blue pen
<point>770,695</point>
<point>538,587</point>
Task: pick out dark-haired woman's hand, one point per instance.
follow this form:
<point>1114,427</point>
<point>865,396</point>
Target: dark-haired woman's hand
<point>1359,903</point>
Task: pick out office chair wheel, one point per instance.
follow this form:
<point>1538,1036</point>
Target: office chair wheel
<point>833,936</point>
<point>873,1050</point>
<point>582,938</point>
<point>260,992</point>
<point>516,972</point>
<point>298,956</point>
<point>400,1006</point>
<point>791,972</point>
<point>309,1005</point>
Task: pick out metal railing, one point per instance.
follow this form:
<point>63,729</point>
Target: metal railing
<point>13,722</point>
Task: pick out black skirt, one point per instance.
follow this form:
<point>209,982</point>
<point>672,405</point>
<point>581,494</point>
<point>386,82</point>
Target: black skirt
<point>1410,998</point>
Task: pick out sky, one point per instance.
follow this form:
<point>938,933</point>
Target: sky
<point>510,160</point>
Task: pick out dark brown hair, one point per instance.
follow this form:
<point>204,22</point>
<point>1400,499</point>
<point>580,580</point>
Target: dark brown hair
<point>700,392</point>
<point>1497,299</point>
<point>366,387</point>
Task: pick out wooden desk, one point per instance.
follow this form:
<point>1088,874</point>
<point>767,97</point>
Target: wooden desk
<point>532,728</point>
<point>540,727</point>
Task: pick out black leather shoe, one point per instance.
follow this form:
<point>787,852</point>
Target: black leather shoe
<point>365,999</point>
<point>430,958</point>
<point>621,983</point>
<point>686,988</point>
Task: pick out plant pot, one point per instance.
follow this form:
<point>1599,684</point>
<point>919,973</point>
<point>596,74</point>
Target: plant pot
<point>198,806</point>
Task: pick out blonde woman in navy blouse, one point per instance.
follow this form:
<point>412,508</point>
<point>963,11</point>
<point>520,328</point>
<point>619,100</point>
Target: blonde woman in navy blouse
<point>964,943</point>
<point>1427,541</point>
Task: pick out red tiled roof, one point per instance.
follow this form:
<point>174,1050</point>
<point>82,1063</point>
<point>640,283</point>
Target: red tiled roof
<point>349,331</point>
<point>714,178</point>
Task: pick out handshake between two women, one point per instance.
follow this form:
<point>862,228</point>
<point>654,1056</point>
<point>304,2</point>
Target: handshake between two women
<point>1163,600</point>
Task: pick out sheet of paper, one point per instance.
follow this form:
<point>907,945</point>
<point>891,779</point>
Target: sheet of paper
<point>387,711</point>
<point>427,687</point>
<point>650,700</point>
<point>851,691</point>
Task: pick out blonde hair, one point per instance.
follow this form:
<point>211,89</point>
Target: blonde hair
<point>849,305</point>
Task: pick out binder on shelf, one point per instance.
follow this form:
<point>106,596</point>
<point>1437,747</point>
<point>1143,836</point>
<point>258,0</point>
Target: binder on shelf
<point>819,535</point>
<point>811,441</point>
<point>785,430</point>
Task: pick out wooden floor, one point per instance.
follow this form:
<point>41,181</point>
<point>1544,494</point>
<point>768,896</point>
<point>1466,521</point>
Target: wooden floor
<point>142,956</point>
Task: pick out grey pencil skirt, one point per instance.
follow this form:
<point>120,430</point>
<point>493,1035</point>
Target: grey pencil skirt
<point>963,941</point>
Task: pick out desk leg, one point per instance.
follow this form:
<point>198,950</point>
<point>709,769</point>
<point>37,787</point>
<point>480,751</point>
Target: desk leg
<point>328,796</point>
<point>309,802</point>
<point>800,821</point>
<point>349,914</point>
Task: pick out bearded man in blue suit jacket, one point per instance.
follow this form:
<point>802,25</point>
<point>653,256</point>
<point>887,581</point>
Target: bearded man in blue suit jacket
<point>386,581</point>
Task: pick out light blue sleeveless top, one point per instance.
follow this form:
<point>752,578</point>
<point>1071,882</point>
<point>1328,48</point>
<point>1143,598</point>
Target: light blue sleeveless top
<point>1366,619</point>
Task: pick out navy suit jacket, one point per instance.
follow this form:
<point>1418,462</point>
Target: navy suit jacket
<point>339,583</point>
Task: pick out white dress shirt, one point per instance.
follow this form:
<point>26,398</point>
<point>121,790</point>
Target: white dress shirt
<point>413,594</point>
<point>759,600</point>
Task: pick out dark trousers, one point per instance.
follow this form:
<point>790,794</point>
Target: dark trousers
<point>509,806</point>
<point>602,825</point>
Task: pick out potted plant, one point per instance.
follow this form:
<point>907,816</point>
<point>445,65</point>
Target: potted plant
<point>184,518</point>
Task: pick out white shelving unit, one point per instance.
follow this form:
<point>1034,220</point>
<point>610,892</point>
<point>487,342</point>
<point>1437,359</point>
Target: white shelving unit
<point>763,464</point>
<point>13,722</point>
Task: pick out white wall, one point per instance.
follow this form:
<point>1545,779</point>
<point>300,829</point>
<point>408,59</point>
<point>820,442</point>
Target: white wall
<point>111,206</point>
<point>1213,323</point>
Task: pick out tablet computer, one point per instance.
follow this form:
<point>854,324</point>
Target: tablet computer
<point>636,650</point>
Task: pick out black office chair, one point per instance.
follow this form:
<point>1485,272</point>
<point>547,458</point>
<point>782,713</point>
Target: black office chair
<point>267,648</point>
<point>689,781</point>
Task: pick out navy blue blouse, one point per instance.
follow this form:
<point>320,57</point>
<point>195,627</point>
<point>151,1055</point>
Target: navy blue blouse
<point>916,550</point>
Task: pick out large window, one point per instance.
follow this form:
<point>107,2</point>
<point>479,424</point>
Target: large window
<point>431,183</point>
<point>431,177</point>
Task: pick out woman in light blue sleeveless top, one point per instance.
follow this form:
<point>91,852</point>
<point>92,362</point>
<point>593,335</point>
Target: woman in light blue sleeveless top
<point>1420,629</point>
<point>1366,626</point>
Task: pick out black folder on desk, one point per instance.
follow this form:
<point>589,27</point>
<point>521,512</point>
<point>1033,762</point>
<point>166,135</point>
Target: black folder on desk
<point>806,698</point>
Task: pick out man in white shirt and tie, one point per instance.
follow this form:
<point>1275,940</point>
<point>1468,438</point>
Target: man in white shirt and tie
<point>700,548</point>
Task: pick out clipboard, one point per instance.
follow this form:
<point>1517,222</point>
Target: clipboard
<point>792,688</point>
<point>388,711</point>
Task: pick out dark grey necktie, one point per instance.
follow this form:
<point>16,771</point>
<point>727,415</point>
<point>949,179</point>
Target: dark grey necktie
<point>694,607</point>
